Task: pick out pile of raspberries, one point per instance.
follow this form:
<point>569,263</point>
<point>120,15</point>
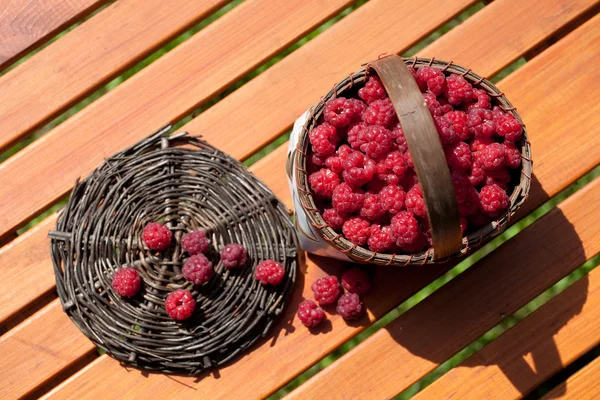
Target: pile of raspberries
<point>362,175</point>
<point>197,269</point>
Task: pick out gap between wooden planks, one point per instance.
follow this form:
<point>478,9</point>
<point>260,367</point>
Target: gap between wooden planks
<point>584,385</point>
<point>299,353</point>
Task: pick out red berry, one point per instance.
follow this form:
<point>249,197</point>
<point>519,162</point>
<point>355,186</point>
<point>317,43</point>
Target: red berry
<point>359,107</point>
<point>507,125</point>
<point>477,175</point>
<point>310,314</point>
<point>180,304</point>
<point>126,282</point>
<point>512,155</point>
<point>392,168</point>
<point>414,202</point>
<point>333,218</point>
<point>358,169</point>
<point>371,208</point>
<point>346,199</point>
<point>434,106</point>
<point>492,157</point>
<point>324,139</point>
<point>157,236</point>
<point>445,129</point>
<point>431,79</point>
<point>380,112</point>
<point>315,162</point>
<point>334,163</point>
<point>464,224</point>
<point>493,199</point>
<point>357,230</point>
<point>350,307</point>
<point>233,255</point>
<point>340,112</point>
<point>457,89</point>
<point>470,205</point>
<point>461,185</point>
<point>408,159</point>
<point>376,141</point>
<point>460,124</point>
<point>392,199</point>
<point>197,269</point>
<point>481,123</point>
<point>500,177</point>
<point>481,100</point>
<point>195,242</point>
<point>269,272</point>
<point>380,240</point>
<point>355,137</point>
<point>355,280</point>
<point>373,90</point>
<point>398,135</point>
<point>406,232</point>
<point>326,290</point>
<point>323,182</point>
<point>459,156</point>
<point>479,144</point>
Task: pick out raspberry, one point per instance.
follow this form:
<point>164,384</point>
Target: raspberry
<point>269,272</point>
<point>324,139</point>
<point>126,282</point>
<point>371,208</point>
<point>500,177</point>
<point>481,123</point>
<point>492,157</point>
<point>157,236</point>
<point>471,203</point>
<point>317,161</point>
<point>434,106</point>
<point>432,79</point>
<point>380,112</point>
<point>477,174</point>
<point>323,182</point>
<point>355,280</point>
<point>512,157</point>
<point>180,304</point>
<point>334,163</point>
<point>373,90</point>
<point>460,124</point>
<point>340,112</point>
<point>326,290</point>
<point>357,230</point>
<point>355,137</point>
<point>507,125</point>
<point>414,202</point>
<point>233,255</point>
<point>493,199</point>
<point>481,98</point>
<point>310,314</point>
<point>479,220</point>
<point>392,199</point>
<point>445,106</point>
<point>406,232</point>
<point>195,242</point>
<point>376,141</point>
<point>479,144</point>
<point>398,135</point>
<point>359,107</point>
<point>350,307</point>
<point>464,224</point>
<point>408,159</point>
<point>358,169</point>
<point>392,167</point>
<point>445,129</point>
<point>457,89</point>
<point>380,240</point>
<point>346,200</point>
<point>459,156</point>
<point>333,218</point>
<point>197,269</point>
<point>461,186</point>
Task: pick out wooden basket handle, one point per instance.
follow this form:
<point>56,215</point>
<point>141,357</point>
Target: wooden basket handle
<point>427,154</point>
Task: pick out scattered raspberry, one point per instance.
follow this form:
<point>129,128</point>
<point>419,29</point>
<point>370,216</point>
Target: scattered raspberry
<point>355,280</point>
<point>324,139</point>
<point>460,124</point>
<point>233,255</point>
<point>376,141</point>
<point>414,202</point>
<point>333,218</point>
<point>481,123</point>
<point>180,304</point>
<point>459,156</point>
<point>269,272</point>
<point>431,79</point>
<point>392,168</point>
<point>310,314</point>
<point>470,205</point>
<point>358,169</point>
<point>512,157</point>
<point>355,137</point>
<point>457,89</point>
<point>481,100</point>
<point>195,242</point>
<point>479,144</point>
<point>126,282</point>
<point>326,290</point>
<point>507,125</point>
<point>406,232</point>
<point>323,182</point>
<point>380,112</point>
<point>346,200</point>
<point>445,129</point>
<point>380,240</point>
<point>157,236</point>
<point>461,185</point>
<point>371,208</point>
<point>493,199</point>
<point>373,90</point>
<point>340,112</point>
<point>492,157</point>
<point>392,199</point>
<point>197,269</point>
<point>357,230</point>
<point>350,307</point>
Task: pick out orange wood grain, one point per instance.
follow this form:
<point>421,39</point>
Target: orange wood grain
<point>165,91</point>
<point>25,25</point>
<point>579,335</point>
<point>89,56</point>
<point>583,385</point>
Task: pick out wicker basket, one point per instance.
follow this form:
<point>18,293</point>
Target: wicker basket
<point>437,187</point>
<point>186,184</point>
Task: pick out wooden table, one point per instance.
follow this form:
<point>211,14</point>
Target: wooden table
<point>556,92</point>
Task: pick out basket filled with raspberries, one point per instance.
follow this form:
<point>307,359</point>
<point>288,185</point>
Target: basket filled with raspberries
<point>172,256</point>
<point>407,161</point>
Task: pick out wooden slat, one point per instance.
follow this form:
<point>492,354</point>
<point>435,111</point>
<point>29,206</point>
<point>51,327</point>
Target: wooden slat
<point>538,347</point>
<point>301,349</point>
<point>25,25</point>
<point>584,385</point>
<point>89,56</point>
<point>164,91</point>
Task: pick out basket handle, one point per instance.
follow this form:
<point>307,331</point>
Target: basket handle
<point>427,154</point>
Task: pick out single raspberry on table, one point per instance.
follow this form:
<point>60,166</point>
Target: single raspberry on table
<point>459,156</point>
<point>481,123</point>
<point>356,280</point>
<point>310,314</point>
<point>371,208</point>
<point>492,157</point>
<point>392,199</point>
<point>157,236</point>
<point>126,282</point>
<point>431,79</point>
<point>507,125</point>
<point>326,290</point>
<point>333,218</point>
<point>376,141</point>
<point>195,242</point>
<point>233,255</point>
<point>340,112</point>
<point>406,232</point>
<point>493,199</point>
<point>198,269</point>
<point>414,202</point>
<point>457,89</point>
<point>350,307</point>
<point>500,177</point>
<point>355,137</point>
<point>347,199</point>
<point>445,129</point>
<point>460,124</point>
<point>358,169</point>
<point>380,240</point>
<point>324,139</point>
<point>357,230</point>
<point>373,90</point>
<point>471,204</point>
<point>180,304</point>
<point>380,112</point>
<point>400,140</point>
<point>512,157</point>
<point>323,182</point>
<point>480,99</point>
